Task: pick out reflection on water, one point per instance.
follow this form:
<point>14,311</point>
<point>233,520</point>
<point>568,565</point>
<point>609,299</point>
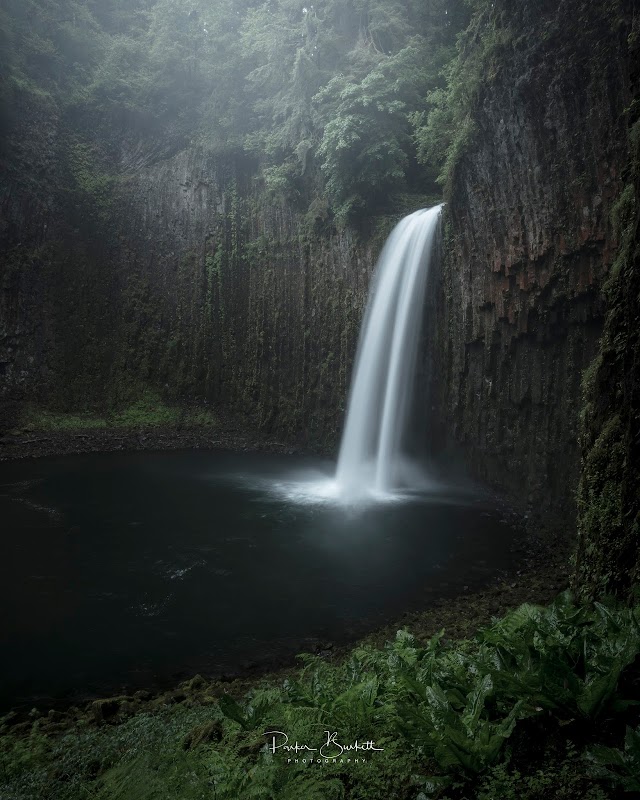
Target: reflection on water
<point>123,569</point>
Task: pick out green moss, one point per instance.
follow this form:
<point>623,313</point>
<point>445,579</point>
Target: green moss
<point>147,412</point>
<point>24,84</point>
<point>446,132</point>
<point>90,180</point>
<point>39,419</point>
<point>144,414</point>
<point>607,558</point>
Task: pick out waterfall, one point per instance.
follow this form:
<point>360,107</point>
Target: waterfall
<point>371,459</point>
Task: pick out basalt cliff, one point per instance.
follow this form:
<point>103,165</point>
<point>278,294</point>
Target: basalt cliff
<point>135,262</point>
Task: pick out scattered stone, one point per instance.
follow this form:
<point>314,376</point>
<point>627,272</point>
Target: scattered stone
<point>105,710</point>
<point>197,682</point>
<point>176,696</point>
<point>202,734</point>
<point>10,719</point>
<point>22,728</point>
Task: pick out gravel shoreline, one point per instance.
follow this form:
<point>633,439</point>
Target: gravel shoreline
<point>40,444</point>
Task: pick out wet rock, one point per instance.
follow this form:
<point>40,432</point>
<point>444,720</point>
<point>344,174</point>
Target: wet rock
<point>203,734</point>
<point>194,684</point>
<point>168,233</point>
<point>519,300</point>
<point>176,696</point>
<point>21,728</point>
<point>105,710</point>
<point>9,720</point>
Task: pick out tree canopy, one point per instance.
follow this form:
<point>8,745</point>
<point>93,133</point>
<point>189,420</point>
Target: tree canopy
<point>329,95</point>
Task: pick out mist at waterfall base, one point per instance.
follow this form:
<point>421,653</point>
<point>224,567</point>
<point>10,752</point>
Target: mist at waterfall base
<point>373,463</point>
<point>129,570</point>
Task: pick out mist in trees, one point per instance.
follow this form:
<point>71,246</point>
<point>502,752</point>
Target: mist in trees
<point>330,99</point>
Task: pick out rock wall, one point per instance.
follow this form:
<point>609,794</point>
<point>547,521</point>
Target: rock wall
<point>249,307</point>
<point>608,554</point>
<point>28,221</point>
<point>135,263</point>
<point>156,268</point>
<point>529,242</point>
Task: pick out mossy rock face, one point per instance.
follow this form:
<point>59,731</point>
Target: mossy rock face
<point>112,709</point>
<point>203,734</point>
<point>529,240</point>
<point>608,558</point>
<point>105,710</point>
<point>196,683</point>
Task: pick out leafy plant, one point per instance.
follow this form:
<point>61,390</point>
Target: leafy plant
<point>443,715</point>
<point>565,658</point>
<point>619,767</point>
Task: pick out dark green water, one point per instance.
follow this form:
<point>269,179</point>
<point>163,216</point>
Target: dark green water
<point>134,569</point>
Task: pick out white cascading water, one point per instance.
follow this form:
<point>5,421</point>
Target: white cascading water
<point>370,460</point>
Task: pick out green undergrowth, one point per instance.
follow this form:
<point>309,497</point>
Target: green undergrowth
<point>539,704</point>
<point>148,412</point>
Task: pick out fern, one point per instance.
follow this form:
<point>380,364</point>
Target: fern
<point>619,767</point>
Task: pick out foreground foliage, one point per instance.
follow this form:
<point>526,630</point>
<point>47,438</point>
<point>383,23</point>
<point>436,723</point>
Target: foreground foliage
<point>535,705</point>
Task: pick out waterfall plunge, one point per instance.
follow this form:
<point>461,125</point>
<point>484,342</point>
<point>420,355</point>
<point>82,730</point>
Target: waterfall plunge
<point>371,465</point>
<point>370,460</point>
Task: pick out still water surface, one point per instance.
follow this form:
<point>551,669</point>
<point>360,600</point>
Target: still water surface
<point>132,569</point>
